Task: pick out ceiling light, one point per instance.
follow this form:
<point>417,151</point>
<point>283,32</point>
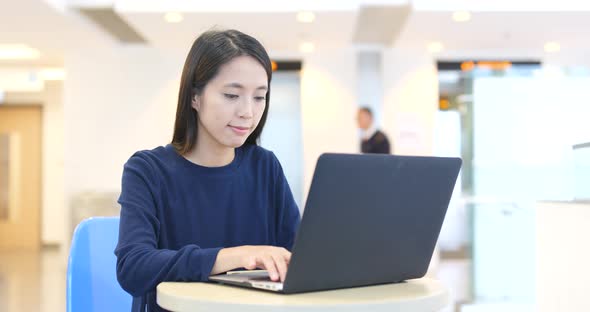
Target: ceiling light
<point>18,52</point>
<point>461,16</point>
<point>306,47</point>
<point>551,47</point>
<point>435,47</point>
<point>305,17</point>
<point>173,17</point>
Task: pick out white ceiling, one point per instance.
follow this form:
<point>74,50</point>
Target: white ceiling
<point>503,33</point>
<point>495,33</point>
<point>41,26</point>
<point>277,31</point>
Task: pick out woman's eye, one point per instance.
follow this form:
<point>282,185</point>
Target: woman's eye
<point>259,98</point>
<point>230,96</point>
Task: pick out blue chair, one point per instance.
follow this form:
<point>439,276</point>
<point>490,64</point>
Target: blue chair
<point>92,274</point>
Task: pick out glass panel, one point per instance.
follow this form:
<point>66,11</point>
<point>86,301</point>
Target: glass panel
<point>582,171</point>
<point>4,174</point>
<point>284,121</point>
<point>522,133</point>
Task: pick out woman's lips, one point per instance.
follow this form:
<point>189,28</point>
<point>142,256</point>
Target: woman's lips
<point>239,130</point>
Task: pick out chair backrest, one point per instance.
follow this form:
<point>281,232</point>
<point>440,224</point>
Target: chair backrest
<point>92,275</point>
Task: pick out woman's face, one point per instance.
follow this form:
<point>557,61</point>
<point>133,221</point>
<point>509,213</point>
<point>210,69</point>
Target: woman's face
<point>231,104</point>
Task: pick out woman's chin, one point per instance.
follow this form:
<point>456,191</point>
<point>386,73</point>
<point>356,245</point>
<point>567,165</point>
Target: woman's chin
<point>235,143</point>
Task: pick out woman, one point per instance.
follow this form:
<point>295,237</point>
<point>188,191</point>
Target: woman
<point>212,200</point>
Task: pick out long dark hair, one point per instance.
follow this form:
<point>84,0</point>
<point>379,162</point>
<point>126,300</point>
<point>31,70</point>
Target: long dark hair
<point>209,52</point>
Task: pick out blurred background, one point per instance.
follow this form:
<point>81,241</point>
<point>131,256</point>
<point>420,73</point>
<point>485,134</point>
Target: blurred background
<point>503,84</point>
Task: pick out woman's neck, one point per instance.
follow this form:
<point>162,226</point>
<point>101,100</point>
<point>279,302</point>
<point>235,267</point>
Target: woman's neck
<point>208,152</point>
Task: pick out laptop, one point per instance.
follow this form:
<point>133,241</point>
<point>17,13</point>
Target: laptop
<point>369,219</point>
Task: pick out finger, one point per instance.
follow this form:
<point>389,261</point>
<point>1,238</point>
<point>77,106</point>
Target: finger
<point>281,266</point>
<point>269,265</point>
<point>286,255</point>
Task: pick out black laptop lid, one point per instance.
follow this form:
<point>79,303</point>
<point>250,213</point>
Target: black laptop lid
<point>370,219</point>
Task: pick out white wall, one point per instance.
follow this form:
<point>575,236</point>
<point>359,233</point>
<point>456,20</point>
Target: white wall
<point>369,83</point>
<point>562,257</point>
<point>328,106</point>
<point>117,101</point>
<point>410,101</point>
<point>52,216</point>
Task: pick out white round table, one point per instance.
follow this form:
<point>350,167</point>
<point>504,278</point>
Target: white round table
<point>424,295</point>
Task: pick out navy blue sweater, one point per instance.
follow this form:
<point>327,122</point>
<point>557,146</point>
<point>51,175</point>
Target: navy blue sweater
<point>177,215</point>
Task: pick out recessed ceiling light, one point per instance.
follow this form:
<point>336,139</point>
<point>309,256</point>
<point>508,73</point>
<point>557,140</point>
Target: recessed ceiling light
<point>305,17</point>
<point>461,16</point>
<point>173,17</point>
<point>552,47</point>
<point>435,47</point>
<point>306,47</point>
<point>18,52</point>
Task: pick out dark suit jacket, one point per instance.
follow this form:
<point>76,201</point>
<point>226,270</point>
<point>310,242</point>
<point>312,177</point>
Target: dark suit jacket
<point>377,144</point>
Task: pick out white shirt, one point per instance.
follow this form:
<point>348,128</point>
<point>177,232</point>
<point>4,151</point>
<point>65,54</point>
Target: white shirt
<point>367,134</point>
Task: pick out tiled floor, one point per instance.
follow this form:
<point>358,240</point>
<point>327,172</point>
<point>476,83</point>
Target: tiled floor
<point>32,282</point>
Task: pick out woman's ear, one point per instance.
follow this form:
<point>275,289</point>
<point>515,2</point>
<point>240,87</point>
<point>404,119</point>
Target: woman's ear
<point>196,103</point>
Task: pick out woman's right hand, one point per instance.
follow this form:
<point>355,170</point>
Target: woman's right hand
<point>273,259</point>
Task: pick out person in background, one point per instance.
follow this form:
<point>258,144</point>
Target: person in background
<point>373,140</point>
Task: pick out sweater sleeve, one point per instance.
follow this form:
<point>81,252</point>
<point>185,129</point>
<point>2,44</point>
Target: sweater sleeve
<point>141,265</point>
<point>288,212</point>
